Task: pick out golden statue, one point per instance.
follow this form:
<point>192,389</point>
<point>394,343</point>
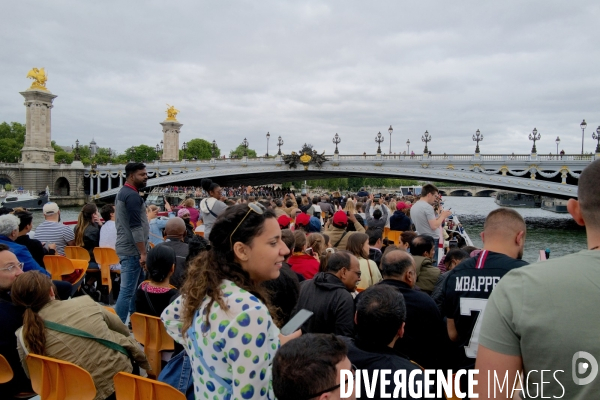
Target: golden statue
<point>305,158</point>
<point>171,113</point>
<point>39,79</point>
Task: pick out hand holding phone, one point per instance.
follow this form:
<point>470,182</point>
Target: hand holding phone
<point>296,322</point>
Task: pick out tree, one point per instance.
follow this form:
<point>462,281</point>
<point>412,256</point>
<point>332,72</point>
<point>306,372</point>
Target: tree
<point>239,152</point>
<point>12,139</point>
<point>141,153</point>
<point>200,149</point>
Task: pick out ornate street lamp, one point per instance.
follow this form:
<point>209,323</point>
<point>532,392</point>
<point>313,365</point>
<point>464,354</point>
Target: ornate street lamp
<point>184,148</point>
<point>426,138</point>
<point>534,137</point>
<point>597,137</point>
<point>583,125</point>
<point>77,157</point>
<point>557,141</point>
<point>477,137</point>
<point>268,137</point>
<point>279,144</point>
<point>408,146</point>
<point>390,130</point>
<point>245,144</point>
<point>214,149</point>
<point>336,140</point>
<point>379,139</point>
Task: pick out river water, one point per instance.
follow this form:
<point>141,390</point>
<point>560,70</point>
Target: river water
<point>545,229</point>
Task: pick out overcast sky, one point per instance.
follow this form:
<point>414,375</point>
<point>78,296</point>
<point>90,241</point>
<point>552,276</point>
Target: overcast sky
<point>308,69</point>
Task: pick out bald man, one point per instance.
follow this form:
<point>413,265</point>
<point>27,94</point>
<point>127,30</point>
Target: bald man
<point>175,231</point>
<point>470,284</point>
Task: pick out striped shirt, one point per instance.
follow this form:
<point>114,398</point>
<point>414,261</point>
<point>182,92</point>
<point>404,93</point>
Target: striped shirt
<point>55,232</point>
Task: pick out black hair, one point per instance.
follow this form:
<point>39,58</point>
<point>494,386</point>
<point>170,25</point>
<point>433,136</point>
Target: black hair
<point>338,260</point>
<point>25,218</point>
<point>196,245</point>
<point>106,210</point>
<point>315,200</point>
<point>455,254</point>
<point>307,365</point>
<point>427,189</point>
<point>208,185</point>
<point>421,245</point>
<point>397,266</point>
<point>159,262</point>
<point>374,235</point>
<point>377,214</point>
<point>5,210</point>
<point>380,312</point>
<point>132,167</point>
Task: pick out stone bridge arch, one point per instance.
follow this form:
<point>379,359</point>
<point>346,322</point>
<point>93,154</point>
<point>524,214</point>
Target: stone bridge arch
<point>485,192</point>
<point>62,187</point>
<point>461,192</point>
<point>7,177</point>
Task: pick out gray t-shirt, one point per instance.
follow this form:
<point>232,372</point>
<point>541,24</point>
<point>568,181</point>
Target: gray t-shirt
<point>421,213</point>
<point>546,313</point>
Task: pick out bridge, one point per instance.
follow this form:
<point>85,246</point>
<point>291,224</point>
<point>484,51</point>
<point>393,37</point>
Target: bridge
<point>476,191</point>
<point>528,173</point>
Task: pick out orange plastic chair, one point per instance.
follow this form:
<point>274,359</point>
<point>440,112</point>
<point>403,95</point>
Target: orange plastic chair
<point>199,233</point>
<point>77,253</point>
<point>394,236</point>
<point>133,387</point>
<point>386,231</point>
<point>151,332</point>
<point>59,266</point>
<point>110,309</point>
<point>6,372</point>
<point>105,257</point>
<point>55,379</point>
<point>151,245</point>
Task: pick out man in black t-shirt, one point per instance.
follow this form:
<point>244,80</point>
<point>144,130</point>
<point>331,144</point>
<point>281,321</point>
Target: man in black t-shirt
<point>470,284</point>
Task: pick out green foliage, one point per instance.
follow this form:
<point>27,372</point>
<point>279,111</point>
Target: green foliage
<point>8,187</point>
<point>200,149</point>
<point>239,152</point>
<point>141,153</point>
<point>12,138</point>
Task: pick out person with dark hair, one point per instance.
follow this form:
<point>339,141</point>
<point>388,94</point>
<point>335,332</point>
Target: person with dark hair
<point>406,239</point>
<point>451,260</point>
<point>425,335</point>
<point>328,296</point>
<point>35,247</point>
<point>377,214</point>
<point>337,229</point>
<point>212,206</point>
<point>380,323</point>
<point>108,232</point>
<point>424,217</point>
<point>358,245</point>
<point>47,320</point>
<point>154,295</point>
<point>375,244</point>
<point>175,232</point>
<point>87,231</point>
<point>132,236</point>
<point>302,223</point>
<point>422,249</point>
<point>310,368</point>
<point>223,316</point>
<point>564,294</point>
<point>301,262</point>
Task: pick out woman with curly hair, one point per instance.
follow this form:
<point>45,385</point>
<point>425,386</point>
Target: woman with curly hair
<point>223,316</point>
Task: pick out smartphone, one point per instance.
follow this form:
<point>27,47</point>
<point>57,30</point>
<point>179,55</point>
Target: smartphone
<point>295,323</point>
<point>453,243</point>
<point>309,251</point>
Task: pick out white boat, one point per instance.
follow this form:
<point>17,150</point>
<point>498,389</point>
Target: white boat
<point>24,198</point>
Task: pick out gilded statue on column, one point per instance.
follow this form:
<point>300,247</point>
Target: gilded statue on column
<point>39,79</point>
<point>171,113</point>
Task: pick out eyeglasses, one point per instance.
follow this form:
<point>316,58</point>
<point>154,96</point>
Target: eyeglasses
<point>358,273</point>
<point>331,389</point>
<point>10,267</point>
<point>257,208</point>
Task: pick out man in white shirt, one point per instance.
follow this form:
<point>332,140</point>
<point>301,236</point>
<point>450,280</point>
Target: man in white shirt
<point>424,217</point>
<point>108,232</point>
<point>53,231</point>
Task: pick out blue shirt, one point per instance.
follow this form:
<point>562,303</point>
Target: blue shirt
<point>23,255</point>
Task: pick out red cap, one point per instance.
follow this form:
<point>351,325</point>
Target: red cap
<point>340,218</point>
<point>302,219</point>
<point>401,205</point>
<point>284,221</point>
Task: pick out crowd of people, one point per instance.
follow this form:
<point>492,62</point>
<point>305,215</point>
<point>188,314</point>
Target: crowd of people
<point>227,276</point>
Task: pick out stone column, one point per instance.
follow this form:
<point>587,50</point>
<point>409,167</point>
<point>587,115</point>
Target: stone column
<point>91,185</point>
<point>38,148</point>
<point>171,140</point>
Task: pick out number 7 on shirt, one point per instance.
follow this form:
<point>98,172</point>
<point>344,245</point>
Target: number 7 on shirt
<point>467,307</point>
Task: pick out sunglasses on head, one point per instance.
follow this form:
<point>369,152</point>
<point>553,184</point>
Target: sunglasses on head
<point>257,208</point>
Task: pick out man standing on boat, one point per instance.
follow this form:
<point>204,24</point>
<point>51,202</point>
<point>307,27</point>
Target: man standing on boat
<point>132,236</point>
<point>424,217</point>
<point>544,317</point>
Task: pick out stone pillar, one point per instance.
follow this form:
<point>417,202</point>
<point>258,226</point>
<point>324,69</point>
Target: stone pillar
<point>171,140</point>
<point>120,178</point>
<point>91,185</point>
<point>109,181</point>
<point>38,148</point>
<point>98,179</point>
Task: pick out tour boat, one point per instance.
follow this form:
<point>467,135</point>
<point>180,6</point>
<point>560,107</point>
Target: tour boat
<point>25,199</point>
<point>554,205</point>
<point>513,199</point>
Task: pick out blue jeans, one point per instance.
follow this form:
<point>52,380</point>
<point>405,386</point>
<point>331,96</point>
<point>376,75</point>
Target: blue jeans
<point>131,277</point>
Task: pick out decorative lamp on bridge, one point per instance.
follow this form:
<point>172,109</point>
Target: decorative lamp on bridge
<point>407,146</point>
<point>477,137</point>
<point>582,125</point>
<point>214,149</point>
<point>390,130</point>
<point>426,138</point>
<point>596,136</point>
<point>268,137</point>
<point>379,139</point>
<point>184,148</point>
<point>245,144</point>
<point>336,140</point>
<point>279,144</point>
<point>76,157</point>
<point>534,135</point>
<point>557,141</point>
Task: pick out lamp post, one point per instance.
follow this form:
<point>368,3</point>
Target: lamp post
<point>534,137</point>
<point>390,130</point>
<point>279,144</point>
<point>597,137</point>
<point>557,141</point>
<point>268,137</point>
<point>426,138</point>
<point>408,146</point>
<point>214,149</point>
<point>77,157</point>
<point>583,125</point>
<point>184,148</point>
<point>379,139</point>
<point>477,137</point>
<point>336,140</point>
<point>109,153</point>
<point>132,152</point>
<point>245,144</point>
